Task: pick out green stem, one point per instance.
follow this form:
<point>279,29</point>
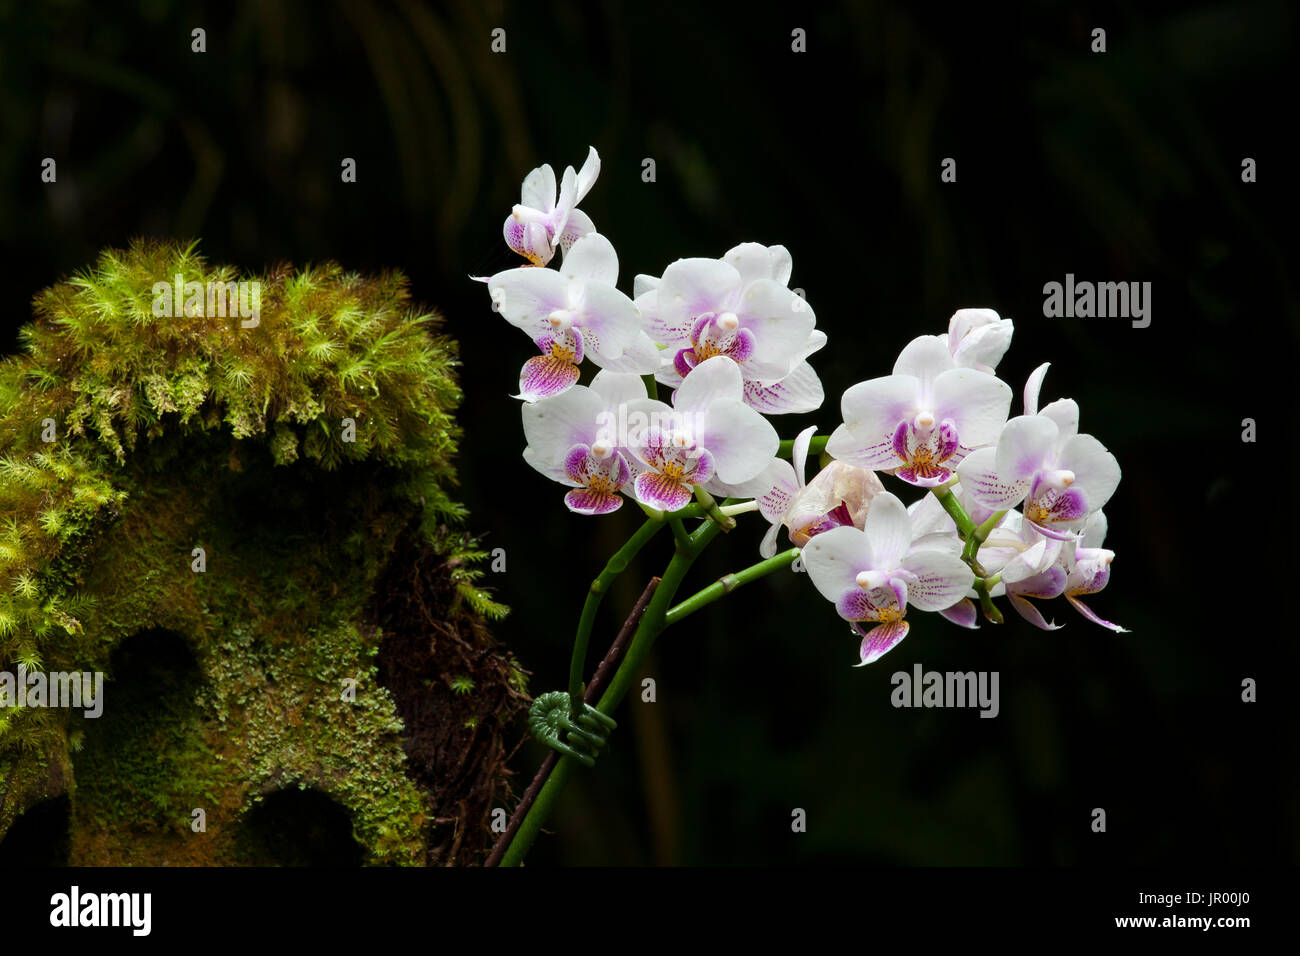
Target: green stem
<point>977,538</point>
<point>595,594</point>
<point>815,447</point>
<point>728,583</point>
<point>652,622</point>
<point>651,386</point>
<point>712,510</point>
<point>982,588</point>
<point>679,532</point>
<point>965,527</point>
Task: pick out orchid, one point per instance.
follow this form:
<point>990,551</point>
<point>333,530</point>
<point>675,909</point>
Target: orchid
<point>572,314</point>
<point>709,438</point>
<point>542,222</point>
<point>872,575</point>
<point>1041,460</point>
<point>924,419</point>
<point>738,307</point>
<point>570,441</point>
<point>731,341</point>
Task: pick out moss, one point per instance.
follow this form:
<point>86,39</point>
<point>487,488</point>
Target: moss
<point>193,432</point>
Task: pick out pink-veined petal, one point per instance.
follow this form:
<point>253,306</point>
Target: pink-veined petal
<point>842,446</point>
<point>589,501</point>
<point>880,640</point>
<point>776,500</point>
<point>938,578</point>
<point>659,491</point>
<point>545,376</point>
<point>800,391</point>
<point>978,472</point>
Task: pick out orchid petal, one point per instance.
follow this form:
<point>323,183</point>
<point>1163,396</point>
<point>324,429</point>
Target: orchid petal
<point>880,640</point>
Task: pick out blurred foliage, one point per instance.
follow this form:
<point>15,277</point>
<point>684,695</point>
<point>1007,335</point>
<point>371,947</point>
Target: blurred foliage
<point>1116,166</point>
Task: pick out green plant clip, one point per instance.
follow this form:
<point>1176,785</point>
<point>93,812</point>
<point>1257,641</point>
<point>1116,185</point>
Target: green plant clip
<point>579,736</point>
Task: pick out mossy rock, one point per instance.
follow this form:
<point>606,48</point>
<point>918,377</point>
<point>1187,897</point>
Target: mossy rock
<point>249,528</point>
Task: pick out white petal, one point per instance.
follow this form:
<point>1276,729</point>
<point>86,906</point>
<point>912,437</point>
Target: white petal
<point>799,452</point>
<point>1096,472</point>
<point>526,296</point>
<point>689,288</point>
<point>924,358</point>
<point>1065,412</point>
<point>609,321</point>
<point>593,258</point>
<point>834,558</point>
<point>977,403</point>
<point>1032,388</point>
<point>587,175</point>
<point>618,388</point>
<point>642,284</point>
<point>1026,446</point>
<point>872,411</point>
<point>741,440</point>
<point>554,425</point>
<point>539,189</point>
<point>642,357</point>
<point>780,320</point>
<point>711,380</point>
<point>888,530</point>
<point>942,579</point>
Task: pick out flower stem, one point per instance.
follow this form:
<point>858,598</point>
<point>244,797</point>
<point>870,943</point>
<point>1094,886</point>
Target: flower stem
<point>965,527</point>
<point>595,594</point>
<point>652,622</point>
<point>712,510</point>
<point>728,583</point>
<point>815,447</point>
<point>977,538</point>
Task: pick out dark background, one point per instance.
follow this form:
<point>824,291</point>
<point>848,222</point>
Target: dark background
<point>1123,166</point>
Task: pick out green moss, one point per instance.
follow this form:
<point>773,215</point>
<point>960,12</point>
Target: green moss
<point>194,432</point>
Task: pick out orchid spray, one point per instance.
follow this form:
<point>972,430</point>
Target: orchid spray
<point>1005,508</point>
